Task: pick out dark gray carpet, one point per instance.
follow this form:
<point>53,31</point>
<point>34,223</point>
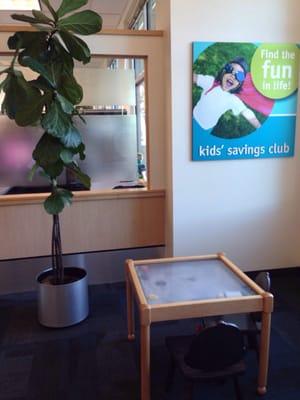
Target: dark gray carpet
<point>94,360</point>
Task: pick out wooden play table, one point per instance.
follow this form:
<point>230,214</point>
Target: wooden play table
<point>189,287</point>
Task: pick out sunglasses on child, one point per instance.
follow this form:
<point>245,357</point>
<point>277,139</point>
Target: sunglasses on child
<point>239,75</point>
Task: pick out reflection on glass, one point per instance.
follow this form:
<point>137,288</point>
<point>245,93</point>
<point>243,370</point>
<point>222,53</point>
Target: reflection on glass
<point>16,146</point>
<point>189,281</point>
<point>111,149</point>
<point>106,87</point>
<point>114,133</point>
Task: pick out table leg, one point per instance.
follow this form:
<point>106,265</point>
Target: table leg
<point>130,309</point>
<point>264,353</point>
<point>145,362</point>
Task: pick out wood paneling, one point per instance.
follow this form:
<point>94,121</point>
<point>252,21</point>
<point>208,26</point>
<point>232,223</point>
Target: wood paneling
<point>96,221</point>
<point>119,32</point>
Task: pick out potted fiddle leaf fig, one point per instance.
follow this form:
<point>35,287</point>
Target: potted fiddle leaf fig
<point>49,101</point>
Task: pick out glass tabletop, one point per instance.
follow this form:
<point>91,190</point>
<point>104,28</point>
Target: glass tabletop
<point>189,281</point>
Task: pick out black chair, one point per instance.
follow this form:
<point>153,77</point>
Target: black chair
<point>250,324</point>
<point>214,354</point>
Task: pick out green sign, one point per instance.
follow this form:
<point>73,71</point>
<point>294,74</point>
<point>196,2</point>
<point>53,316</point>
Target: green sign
<point>274,70</point>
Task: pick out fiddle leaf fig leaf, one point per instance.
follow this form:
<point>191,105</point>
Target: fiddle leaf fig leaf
<point>66,156</point>
<point>64,56</point>
<point>81,151</point>
<point>54,204</point>
<point>25,18</point>
<point>31,111</point>
<point>70,5</point>
<point>47,155</point>
<point>39,68</point>
<point>42,18</point>
<point>43,174</point>
<point>79,115</point>
<point>66,196</point>
<point>14,42</point>
<point>70,89</point>
<point>11,102</point>
<point>54,170</point>
<point>66,105</point>
<point>24,39</point>
<point>55,70</point>
<point>57,201</point>
<point>51,9</point>
<point>47,150</point>
<point>83,23</point>
<point>36,47</point>
<point>32,172</point>
<point>84,179</point>
<point>18,94</point>
<point>77,47</point>
<point>56,122</point>
<point>42,84</point>
<point>72,138</point>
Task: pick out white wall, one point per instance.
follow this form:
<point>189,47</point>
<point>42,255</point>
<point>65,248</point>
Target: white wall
<point>246,208</point>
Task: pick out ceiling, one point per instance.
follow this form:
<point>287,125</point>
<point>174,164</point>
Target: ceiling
<point>113,12</point>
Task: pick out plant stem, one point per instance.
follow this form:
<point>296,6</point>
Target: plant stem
<point>57,263</point>
<point>56,249</point>
<point>12,64</point>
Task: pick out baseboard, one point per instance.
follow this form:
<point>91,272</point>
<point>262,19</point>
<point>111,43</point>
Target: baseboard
<point>103,267</point>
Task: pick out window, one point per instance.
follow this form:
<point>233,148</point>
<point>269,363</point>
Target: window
<point>114,133</point>
<point>146,17</point>
<point>141,130</point>
<point>20,5</point>
<point>151,11</point>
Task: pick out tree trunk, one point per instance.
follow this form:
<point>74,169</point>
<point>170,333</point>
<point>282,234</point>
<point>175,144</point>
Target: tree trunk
<point>57,262</point>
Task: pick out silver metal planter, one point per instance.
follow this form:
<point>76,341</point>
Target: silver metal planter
<point>63,305</point>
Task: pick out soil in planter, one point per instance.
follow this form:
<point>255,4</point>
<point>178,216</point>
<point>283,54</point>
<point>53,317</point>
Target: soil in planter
<point>71,275</point>
<point>50,280</point>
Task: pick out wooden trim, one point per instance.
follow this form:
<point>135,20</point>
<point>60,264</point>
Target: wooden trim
<point>206,308</point>
<point>38,198</point>
<point>130,304</point>
<point>264,353</point>
<point>249,282</point>
<point>145,362</point>
<point>132,32</point>
<point>136,284</point>
<point>113,32</point>
<point>16,27</point>
<point>147,123</point>
<point>175,259</point>
<point>120,55</point>
<point>207,302</point>
<point>145,315</point>
<point>268,302</point>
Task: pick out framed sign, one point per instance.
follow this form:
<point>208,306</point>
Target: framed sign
<point>244,100</point>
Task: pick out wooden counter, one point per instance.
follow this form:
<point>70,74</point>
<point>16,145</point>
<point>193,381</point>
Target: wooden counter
<point>97,220</point>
